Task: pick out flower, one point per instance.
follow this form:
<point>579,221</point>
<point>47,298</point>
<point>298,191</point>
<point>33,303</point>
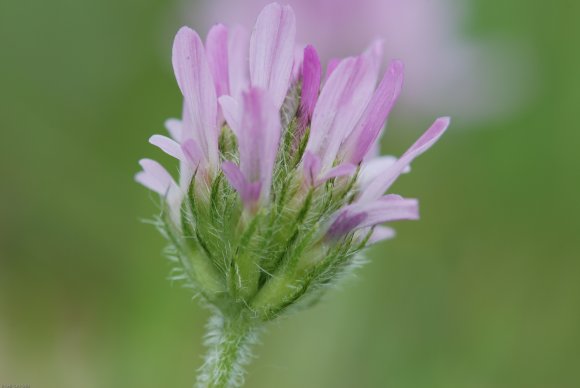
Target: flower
<point>280,187</point>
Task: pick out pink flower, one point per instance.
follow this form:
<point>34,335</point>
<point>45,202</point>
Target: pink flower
<point>280,184</point>
<point>342,116</point>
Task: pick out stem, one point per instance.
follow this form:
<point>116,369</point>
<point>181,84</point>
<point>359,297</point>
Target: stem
<point>229,342</point>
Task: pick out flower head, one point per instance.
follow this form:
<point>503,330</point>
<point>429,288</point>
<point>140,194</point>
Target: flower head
<point>280,187</point>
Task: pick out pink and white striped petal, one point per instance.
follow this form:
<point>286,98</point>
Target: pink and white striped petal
<point>216,46</point>
<point>238,68</point>
<point>272,51</point>
<point>196,83</point>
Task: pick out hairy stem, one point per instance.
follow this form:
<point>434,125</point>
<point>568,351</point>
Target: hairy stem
<point>229,342</point>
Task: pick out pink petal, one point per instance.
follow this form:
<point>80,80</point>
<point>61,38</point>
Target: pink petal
<point>174,128</point>
<point>311,73</point>
<point>344,169</point>
<point>192,153</point>
<point>167,145</point>
<point>249,192</point>
<point>364,215</point>
<point>196,83</point>
<point>381,233</point>
<point>373,120</point>
<point>155,177</point>
<point>381,184</point>
<point>331,67</point>
<point>216,46</point>
<point>297,62</point>
<point>373,169</point>
<point>387,209</point>
<point>258,138</point>
<point>272,51</point>
<point>232,113</point>
<point>239,74</point>
<point>341,103</point>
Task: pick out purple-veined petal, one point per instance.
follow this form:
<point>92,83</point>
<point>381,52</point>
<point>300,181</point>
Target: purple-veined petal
<point>239,73</point>
<point>196,83</point>
<point>173,126</point>
<point>272,51</point>
<point>232,113</point>
<point>381,184</point>
<point>249,192</point>
<point>167,145</point>
<point>216,46</point>
<point>311,73</point>
<point>373,120</point>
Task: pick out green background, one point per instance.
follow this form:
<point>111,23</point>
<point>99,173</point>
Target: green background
<point>483,292</point>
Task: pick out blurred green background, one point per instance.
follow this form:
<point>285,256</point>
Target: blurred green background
<point>483,292</point>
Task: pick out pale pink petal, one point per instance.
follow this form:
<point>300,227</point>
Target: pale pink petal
<point>344,169</point>
<point>327,107</point>
<point>249,192</point>
<point>216,46</point>
<point>155,177</point>
<point>196,83</point>
<point>232,113</point>
<point>272,51</point>
<point>331,67</point>
<point>341,103</point>
<point>311,73</point>
<point>174,128</point>
<point>373,169</point>
<point>192,153</point>
<point>373,120</point>
<point>297,62</point>
<point>258,139</point>
<point>382,183</point>
<point>167,145</point>
<point>381,233</point>
<point>239,74</point>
